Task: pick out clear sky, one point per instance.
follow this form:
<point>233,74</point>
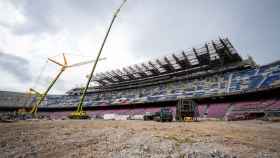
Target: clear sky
<point>33,30</point>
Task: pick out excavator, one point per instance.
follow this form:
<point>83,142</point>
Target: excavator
<point>79,113</point>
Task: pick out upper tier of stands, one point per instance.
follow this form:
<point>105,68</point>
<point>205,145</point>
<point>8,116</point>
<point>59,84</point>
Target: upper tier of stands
<point>217,53</point>
<point>218,84</point>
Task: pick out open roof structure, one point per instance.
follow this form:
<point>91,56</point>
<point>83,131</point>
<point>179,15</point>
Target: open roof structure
<point>209,55</point>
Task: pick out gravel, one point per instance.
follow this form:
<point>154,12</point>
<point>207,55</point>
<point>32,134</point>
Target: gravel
<point>137,139</point>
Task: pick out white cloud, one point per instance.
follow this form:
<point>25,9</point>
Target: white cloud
<point>145,29</point>
<point>10,16</point>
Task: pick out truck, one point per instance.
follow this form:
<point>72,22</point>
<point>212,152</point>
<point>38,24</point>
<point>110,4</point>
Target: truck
<point>164,115</point>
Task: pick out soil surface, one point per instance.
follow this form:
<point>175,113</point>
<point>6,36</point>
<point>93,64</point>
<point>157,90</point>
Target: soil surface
<point>139,139</point>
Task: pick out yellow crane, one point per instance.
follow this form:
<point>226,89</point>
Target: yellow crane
<point>79,113</point>
<point>41,96</point>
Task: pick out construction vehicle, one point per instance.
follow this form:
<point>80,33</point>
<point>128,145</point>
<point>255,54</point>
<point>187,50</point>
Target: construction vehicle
<point>164,115</point>
<point>186,110</point>
<point>79,113</point>
<point>148,116</point>
<point>40,97</point>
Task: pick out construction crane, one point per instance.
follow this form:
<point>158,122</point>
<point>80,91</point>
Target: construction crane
<point>79,113</point>
<point>63,66</point>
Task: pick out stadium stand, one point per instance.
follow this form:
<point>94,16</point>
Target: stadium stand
<point>212,70</point>
<point>13,99</point>
<point>217,84</point>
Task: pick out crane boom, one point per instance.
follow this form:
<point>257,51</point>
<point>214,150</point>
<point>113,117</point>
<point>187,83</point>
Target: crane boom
<point>63,67</point>
<point>84,63</point>
<point>79,113</point>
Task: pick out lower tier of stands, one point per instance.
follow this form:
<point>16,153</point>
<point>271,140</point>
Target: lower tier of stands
<point>225,110</point>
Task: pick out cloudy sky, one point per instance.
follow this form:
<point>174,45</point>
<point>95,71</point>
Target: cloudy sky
<point>33,30</point>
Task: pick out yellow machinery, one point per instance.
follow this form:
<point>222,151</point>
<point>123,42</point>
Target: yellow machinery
<point>188,119</point>
<point>29,94</point>
<point>41,97</point>
<point>186,110</point>
<point>79,113</point>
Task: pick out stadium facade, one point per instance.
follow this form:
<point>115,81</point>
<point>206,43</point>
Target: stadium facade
<point>214,75</point>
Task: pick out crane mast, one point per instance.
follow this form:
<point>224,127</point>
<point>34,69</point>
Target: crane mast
<point>43,96</point>
<point>79,113</point>
<point>63,66</point>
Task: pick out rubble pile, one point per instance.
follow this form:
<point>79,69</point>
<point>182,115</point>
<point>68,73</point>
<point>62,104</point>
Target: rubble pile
<point>14,116</point>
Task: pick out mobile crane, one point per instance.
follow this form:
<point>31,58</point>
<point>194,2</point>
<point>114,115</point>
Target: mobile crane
<point>79,113</point>
<point>41,96</point>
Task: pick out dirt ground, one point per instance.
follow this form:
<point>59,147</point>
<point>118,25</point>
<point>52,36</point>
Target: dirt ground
<point>116,139</point>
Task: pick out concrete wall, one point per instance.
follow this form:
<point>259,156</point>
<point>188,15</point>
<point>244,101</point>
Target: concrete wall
<point>13,99</point>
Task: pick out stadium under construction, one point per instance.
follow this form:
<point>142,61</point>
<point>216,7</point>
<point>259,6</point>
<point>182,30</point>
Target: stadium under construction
<point>204,94</point>
<point>223,85</point>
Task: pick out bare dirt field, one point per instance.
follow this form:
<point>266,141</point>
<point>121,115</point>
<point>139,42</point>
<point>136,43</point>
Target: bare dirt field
<point>116,139</point>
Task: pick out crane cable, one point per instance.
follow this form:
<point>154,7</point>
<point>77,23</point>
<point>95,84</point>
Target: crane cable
<point>42,70</point>
<point>30,100</point>
<point>71,54</point>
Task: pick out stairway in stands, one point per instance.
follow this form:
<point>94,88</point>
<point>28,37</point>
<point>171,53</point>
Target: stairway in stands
<point>229,111</point>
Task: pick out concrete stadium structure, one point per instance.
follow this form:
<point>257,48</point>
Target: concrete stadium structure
<point>223,84</point>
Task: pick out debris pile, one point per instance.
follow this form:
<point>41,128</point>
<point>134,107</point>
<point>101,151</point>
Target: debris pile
<point>14,116</point>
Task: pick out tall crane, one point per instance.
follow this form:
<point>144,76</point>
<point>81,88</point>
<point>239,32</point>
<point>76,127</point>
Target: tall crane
<point>63,66</point>
<point>79,113</point>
